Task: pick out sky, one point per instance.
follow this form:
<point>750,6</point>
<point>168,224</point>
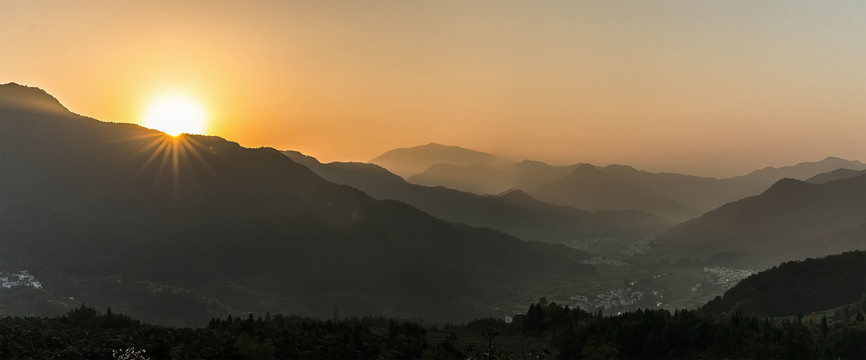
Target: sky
<point>713,88</point>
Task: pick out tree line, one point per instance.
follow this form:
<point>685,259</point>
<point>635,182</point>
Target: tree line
<point>569,333</point>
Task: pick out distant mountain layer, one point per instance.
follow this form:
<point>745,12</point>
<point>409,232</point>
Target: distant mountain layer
<point>152,225</point>
<point>515,212</point>
<point>797,287</point>
<point>792,219</point>
<point>834,175</point>
<point>479,178</point>
<point>674,196</point>
<point>588,187</point>
<point>802,171</point>
<point>410,161</point>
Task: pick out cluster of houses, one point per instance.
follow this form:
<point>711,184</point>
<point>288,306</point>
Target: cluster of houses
<point>620,297</point>
<point>637,247</point>
<point>21,278</point>
<point>726,278</point>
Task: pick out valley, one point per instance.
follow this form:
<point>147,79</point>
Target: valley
<point>213,229</point>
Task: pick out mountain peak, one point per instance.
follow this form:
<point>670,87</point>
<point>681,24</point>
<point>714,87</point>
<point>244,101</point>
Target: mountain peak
<point>587,169</point>
<point>787,186</point>
<point>583,173</point>
<point>516,194</point>
<point>32,98</point>
<point>621,167</point>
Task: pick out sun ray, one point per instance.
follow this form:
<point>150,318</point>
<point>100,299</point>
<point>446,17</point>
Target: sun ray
<point>148,135</point>
<point>190,146</point>
<point>166,156</point>
<point>172,153</point>
<point>175,164</point>
<point>153,143</point>
<point>156,152</point>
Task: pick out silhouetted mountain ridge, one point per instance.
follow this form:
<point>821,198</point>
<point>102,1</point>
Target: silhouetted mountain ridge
<point>123,209</point>
<point>33,98</point>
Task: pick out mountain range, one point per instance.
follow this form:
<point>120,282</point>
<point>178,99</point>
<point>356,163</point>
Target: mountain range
<point>164,227</point>
<point>676,197</point>
<point>181,229</point>
<point>514,212</point>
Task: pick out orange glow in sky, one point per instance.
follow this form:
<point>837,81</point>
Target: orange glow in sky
<point>702,87</point>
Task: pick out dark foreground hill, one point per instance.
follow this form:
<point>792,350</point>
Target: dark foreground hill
<point>797,287</point>
<point>515,212</point>
<point>791,220</point>
<point>179,229</point>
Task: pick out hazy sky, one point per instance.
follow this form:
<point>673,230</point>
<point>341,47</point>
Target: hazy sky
<point>702,87</point>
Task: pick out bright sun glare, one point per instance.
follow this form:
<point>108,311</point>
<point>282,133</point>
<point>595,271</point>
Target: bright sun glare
<point>175,114</point>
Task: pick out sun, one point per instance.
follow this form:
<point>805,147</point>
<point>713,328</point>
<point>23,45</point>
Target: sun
<point>175,114</point>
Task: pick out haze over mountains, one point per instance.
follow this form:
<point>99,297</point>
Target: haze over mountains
<point>409,161</point>
<point>198,226</point>
<point>515,212</point>
<point>180,229</point>
<point>588,187</point>
<point>614,187</point>
<point>786,220</point>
